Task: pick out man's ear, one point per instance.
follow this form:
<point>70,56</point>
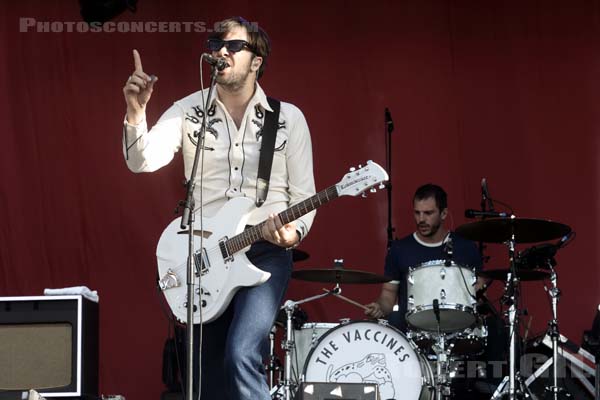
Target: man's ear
<point>256,63</point>
<point>444,214</point>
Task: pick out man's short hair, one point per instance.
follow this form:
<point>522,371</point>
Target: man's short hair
<point>430,190</point>
<point>259,40</point>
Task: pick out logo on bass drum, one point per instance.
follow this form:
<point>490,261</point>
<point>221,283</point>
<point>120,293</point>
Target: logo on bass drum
<point>365,352</point>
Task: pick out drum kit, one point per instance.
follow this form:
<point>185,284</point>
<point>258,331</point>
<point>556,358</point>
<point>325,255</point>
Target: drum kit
<point>445,326</point>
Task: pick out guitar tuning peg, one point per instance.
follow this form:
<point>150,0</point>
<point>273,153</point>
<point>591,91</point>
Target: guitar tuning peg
<point>359,166</point>
<point>381,186</point>
<point>372,190</point>
<point>363,195</point>
<point>352,169</point>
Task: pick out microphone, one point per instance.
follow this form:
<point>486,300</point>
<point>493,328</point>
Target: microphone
<point>479,294</point>
<point>470,213</point>
<point>436,310</point>
<point>219,63</point>
<point>539,255</point>
<point>485,195</point>
<point>388,120</point>
<point>448,251</point>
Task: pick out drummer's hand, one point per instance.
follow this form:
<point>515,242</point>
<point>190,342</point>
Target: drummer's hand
<point>137,91</point>
<point>277,233</point>
<point>374,311</point>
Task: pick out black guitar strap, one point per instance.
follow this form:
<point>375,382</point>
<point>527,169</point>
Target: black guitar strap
<point>267,148</point>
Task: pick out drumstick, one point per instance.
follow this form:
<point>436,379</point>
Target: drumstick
<point>357,304</point>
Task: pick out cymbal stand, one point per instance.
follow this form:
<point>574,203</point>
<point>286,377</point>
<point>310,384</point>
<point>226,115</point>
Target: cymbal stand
<point>554,333</point>
<point>274,365</point>
<point>442,381</point>
<point>288,345</point>
<point>511,295</point>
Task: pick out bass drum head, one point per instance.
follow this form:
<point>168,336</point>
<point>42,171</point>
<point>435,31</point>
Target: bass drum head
<point>371,352</point>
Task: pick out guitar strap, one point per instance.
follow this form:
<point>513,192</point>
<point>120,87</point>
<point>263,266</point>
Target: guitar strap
<point>267,148</point>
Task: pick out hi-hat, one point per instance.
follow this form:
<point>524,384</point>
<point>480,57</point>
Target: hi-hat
<point>523,275</point>
<point>338,275</point>
<point>525,230</point>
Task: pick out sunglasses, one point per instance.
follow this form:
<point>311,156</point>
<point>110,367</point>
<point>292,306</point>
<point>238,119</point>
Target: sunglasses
<point>231,45</point>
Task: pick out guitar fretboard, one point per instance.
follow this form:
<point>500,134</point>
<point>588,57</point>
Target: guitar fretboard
<point>253,234</point>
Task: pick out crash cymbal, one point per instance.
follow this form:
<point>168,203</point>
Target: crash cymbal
<point>337,275</point>
<point>523,274</point>
<point>500,230</point>
<point>299,255</point>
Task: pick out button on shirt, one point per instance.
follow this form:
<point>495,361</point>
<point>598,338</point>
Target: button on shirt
<point>231,154</point>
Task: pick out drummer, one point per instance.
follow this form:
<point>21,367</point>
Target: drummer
<point>430,241</point>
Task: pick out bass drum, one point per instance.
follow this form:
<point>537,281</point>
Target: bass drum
<point>371,352</point>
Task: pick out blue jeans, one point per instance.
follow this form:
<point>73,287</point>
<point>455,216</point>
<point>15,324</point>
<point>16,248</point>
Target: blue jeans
<point>235,345</point>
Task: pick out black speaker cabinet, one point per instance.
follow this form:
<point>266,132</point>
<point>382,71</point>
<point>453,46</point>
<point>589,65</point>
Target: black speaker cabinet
<point>50,344</point>
<point>337,391</point>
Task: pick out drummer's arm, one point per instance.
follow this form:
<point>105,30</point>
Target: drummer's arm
<point>385,303</point>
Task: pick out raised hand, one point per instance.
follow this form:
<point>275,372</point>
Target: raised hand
<point>137,91</point>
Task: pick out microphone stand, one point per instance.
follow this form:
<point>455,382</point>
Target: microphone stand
<point>389,128</point>
<point>187,221</point>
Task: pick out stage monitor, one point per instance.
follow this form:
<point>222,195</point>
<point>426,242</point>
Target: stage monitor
<point>50,344</point>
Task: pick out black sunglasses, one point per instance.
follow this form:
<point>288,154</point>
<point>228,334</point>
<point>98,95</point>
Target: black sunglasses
<point>231,45</point>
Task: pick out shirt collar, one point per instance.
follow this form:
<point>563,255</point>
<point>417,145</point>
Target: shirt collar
<point>437,244</point>
<point>259,98</point>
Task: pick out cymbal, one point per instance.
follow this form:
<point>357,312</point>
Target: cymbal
<point>338,275</point>
<point>523,274</point>
<point>500,230</point>
<point>299,255</point>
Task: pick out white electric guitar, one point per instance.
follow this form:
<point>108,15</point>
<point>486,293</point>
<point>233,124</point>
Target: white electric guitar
<point>222,263</point>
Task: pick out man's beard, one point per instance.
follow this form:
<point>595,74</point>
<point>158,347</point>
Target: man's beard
<point>235,81</point>
<point>432,230</point>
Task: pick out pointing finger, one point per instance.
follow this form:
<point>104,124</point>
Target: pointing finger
<point>137,61</point>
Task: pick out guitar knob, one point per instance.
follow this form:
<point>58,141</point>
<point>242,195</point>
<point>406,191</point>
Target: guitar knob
<point>203,303</point>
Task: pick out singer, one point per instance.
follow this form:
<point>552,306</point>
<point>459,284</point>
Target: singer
<point>233,346</point>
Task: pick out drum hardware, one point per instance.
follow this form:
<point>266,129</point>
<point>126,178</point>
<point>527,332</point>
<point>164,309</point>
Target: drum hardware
<point>510,231</point>
<point>339,275</point>
<point>288,386</point>
<point>274,364</point>
<point>553,333</point>
<point>442,377</point>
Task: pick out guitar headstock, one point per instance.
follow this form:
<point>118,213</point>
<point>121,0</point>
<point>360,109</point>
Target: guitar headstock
<point>361,179</point>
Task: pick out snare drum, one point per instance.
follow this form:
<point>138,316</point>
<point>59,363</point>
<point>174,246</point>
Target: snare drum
<point>452,286</point>
<point>461,344</point>
<point>305,339</point>
<point>371,352</point>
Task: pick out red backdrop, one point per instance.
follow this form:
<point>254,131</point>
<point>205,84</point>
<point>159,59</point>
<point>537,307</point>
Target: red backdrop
<point>503,91</point>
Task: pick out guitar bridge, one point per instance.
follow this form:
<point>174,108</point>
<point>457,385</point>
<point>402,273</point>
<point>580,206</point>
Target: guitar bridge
<point>168,281</point>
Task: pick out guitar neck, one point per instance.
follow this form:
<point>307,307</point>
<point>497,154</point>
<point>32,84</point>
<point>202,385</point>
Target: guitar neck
<point>254,234</point>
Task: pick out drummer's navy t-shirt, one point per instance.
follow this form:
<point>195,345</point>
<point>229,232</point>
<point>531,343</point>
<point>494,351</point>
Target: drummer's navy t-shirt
<point>410,252</point>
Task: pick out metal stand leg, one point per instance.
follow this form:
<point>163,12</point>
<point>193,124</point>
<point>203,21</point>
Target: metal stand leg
<point>554,334</point>
<point>516,389</point>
